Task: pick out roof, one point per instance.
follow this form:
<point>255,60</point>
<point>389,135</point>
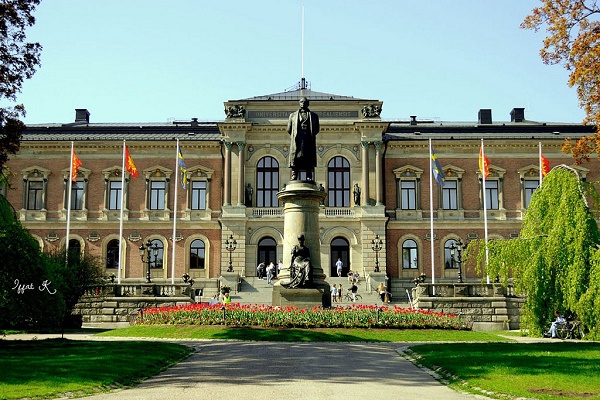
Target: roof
<point>299,93</point>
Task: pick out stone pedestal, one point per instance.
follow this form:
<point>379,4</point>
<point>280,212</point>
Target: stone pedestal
<point>301,217</point>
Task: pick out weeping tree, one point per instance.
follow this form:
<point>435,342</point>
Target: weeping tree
<point>555,262</point>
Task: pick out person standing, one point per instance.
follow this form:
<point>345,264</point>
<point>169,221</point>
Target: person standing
<point>339,265</point>
<point>333,293</point>
<point>354,289</point>
<point>270,269</point>
<point>303,127</point>
<point>260,270</point>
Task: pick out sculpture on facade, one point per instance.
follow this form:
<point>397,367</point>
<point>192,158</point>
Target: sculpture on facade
<point>300,268</point>
<point>303,127</point>
<point>371,111</point>
<point>249,192</point>
<point>356,193</point>
<point>235,111</point>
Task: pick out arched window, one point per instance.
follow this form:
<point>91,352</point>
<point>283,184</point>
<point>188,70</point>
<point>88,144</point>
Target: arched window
<point>448,262</point>
<point>157,262</point>
<point>338,176</point>
<point>197,254</point>
<point>410,254</point>
<point>75,247</point>
<point>267,182</point>
<point>267,251</point>
<point>112,254</point>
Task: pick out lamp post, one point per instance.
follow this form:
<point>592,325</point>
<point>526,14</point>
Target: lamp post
<point>146,252</point>
<point>456,257</point>
<point>376,245</point>
<point>230,245</point>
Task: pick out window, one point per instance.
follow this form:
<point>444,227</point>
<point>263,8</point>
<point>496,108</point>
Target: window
<point>267,182</point>
<point>530,186</point>
<point>112,254</point>
<point>157,262</point>
<point>448,262</point>
<point>77,195</point>
<point>409,254</point>
<point>75,247</point>
<point>338,176</point>
<point>114,195</point>
<point>35,195</point>
<point>198,195</point>
<point>408,194</point>
<point>491,195</point>
<point>157,195</point>
<point>197,254</point>
<point>450,195</point>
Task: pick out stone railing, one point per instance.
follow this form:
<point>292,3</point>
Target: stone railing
<point>339,212</point>
<point>267,212</point>
<point>139,289</point>
<point>462,290</point>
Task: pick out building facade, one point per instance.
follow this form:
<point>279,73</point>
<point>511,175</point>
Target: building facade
<point>376,175</point>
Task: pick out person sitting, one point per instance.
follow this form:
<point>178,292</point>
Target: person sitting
<point>560,319</point>
<point>350,277</point>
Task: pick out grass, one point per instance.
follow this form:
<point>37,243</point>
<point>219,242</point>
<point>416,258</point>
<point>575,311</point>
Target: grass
<point>553,370</point>
<point>51,368</point>
<point>301,335</point>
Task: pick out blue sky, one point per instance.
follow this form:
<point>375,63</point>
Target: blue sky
<point>152,61</point>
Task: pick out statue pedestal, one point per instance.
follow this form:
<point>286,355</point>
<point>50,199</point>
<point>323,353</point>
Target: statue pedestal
<point>301,217</point>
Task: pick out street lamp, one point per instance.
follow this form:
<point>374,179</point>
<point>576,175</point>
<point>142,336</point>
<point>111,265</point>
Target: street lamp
<point>376,245</point>
<point>230,245</point>
<point>146,252</point>
<point>456,257</point>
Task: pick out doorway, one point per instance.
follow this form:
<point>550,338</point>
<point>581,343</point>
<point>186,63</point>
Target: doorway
<point>340,248</point>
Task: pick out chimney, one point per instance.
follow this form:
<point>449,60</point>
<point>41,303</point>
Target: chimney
<point>484,116</point>
<point>82,115</point>
<point>413,119</point>
<point>517,115</point>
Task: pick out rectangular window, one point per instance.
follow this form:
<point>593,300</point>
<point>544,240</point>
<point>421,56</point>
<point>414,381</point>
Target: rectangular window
<point>157,195</point>
<point>76,195</point>
<point>409,258</point>
<point>530,187</point>
<point>450,195</point>
<point>408,193</point>
<point>114,195</point>
<point>35,192</point>
<point>491,195</point>
<point>198,195</point>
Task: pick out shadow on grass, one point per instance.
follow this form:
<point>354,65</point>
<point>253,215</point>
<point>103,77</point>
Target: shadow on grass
<point>290,335</point>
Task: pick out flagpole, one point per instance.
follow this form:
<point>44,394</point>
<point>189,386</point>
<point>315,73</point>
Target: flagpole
<point>485,222</point>
<point>70,187</point>
<point>540,162</point>
<point>121,216</point>
<point>431,215</point>
<point>175,211</point>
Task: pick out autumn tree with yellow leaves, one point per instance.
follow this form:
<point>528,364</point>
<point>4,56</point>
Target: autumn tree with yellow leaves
<point>573,40</point>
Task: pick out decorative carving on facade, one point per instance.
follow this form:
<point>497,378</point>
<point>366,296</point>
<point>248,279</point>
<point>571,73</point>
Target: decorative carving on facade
<point>235,111</point>
<point>371,111</point>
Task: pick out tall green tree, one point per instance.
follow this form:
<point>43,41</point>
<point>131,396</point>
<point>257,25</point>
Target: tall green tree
<point>554,260</point>
<point>18,61</point>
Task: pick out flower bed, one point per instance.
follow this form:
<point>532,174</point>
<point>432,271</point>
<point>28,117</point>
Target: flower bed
<point>358,316</point>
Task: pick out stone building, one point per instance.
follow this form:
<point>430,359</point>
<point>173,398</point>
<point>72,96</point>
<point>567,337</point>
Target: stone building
<point>376,175</point>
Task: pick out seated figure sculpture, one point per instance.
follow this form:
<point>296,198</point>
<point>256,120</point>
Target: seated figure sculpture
<point>300,267</point>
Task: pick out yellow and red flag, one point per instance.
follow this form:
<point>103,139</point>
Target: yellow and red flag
<point>129,164</point>
<point>76,164</point>
<point>484,162</point>
<point>545,165</point>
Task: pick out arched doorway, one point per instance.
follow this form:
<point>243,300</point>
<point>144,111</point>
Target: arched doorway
<point>267,251</point>
<point>340,248</point>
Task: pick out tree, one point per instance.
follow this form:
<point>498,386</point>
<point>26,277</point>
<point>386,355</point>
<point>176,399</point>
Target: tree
<point>18,61</point>
<point>555,259</point>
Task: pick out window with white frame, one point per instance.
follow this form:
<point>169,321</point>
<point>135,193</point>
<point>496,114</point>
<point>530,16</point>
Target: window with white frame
<point>410,254</point>
<point>408,194</point>
<point>267,182</point>
<point>35,183</point>
<point>156,199</point>
<point>529,186</point>
<point>448,260</point>
<point>114,194</point>
<point>450,195</point>
<point>492,197</point>
<point>338,182</point>
<point>156,262</point>
<point>197,254</point>
<point>198,194</point>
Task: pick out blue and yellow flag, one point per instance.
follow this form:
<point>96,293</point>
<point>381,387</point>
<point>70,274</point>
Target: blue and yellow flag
<point>182,167</point>
<point>436,168</point>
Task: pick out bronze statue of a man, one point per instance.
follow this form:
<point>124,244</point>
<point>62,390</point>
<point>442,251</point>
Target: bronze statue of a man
<point>303,127</point>
<point>301,273</point>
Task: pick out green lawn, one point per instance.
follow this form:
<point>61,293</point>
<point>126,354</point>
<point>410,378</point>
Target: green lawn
<point>555,370</point>
<point>49,368</point>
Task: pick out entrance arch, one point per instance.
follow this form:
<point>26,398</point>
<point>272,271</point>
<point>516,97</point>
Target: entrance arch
<point>267,251</point>
<point>340,248</point>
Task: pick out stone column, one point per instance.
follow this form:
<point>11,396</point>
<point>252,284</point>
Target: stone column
<point>378,177</point>
<point>365,173</point>
<point>241,179</point>
<point>227,175</point>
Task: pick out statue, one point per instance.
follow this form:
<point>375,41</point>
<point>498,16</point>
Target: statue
<point>371,111</point>
<point>235,111</point>
<point>356,193</point>
<point>303,127</point>
<point>249,191</point>
<point>300,268</point>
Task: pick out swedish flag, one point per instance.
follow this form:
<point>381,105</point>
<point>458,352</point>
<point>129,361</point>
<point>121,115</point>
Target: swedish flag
<point>438,174</point>
<point>182,167</point>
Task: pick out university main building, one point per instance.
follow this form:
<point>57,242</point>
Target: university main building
<point>375,173</point>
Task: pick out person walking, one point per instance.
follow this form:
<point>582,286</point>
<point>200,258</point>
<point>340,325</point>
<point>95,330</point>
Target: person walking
<point>260,270</point>
<point>339,265</point>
